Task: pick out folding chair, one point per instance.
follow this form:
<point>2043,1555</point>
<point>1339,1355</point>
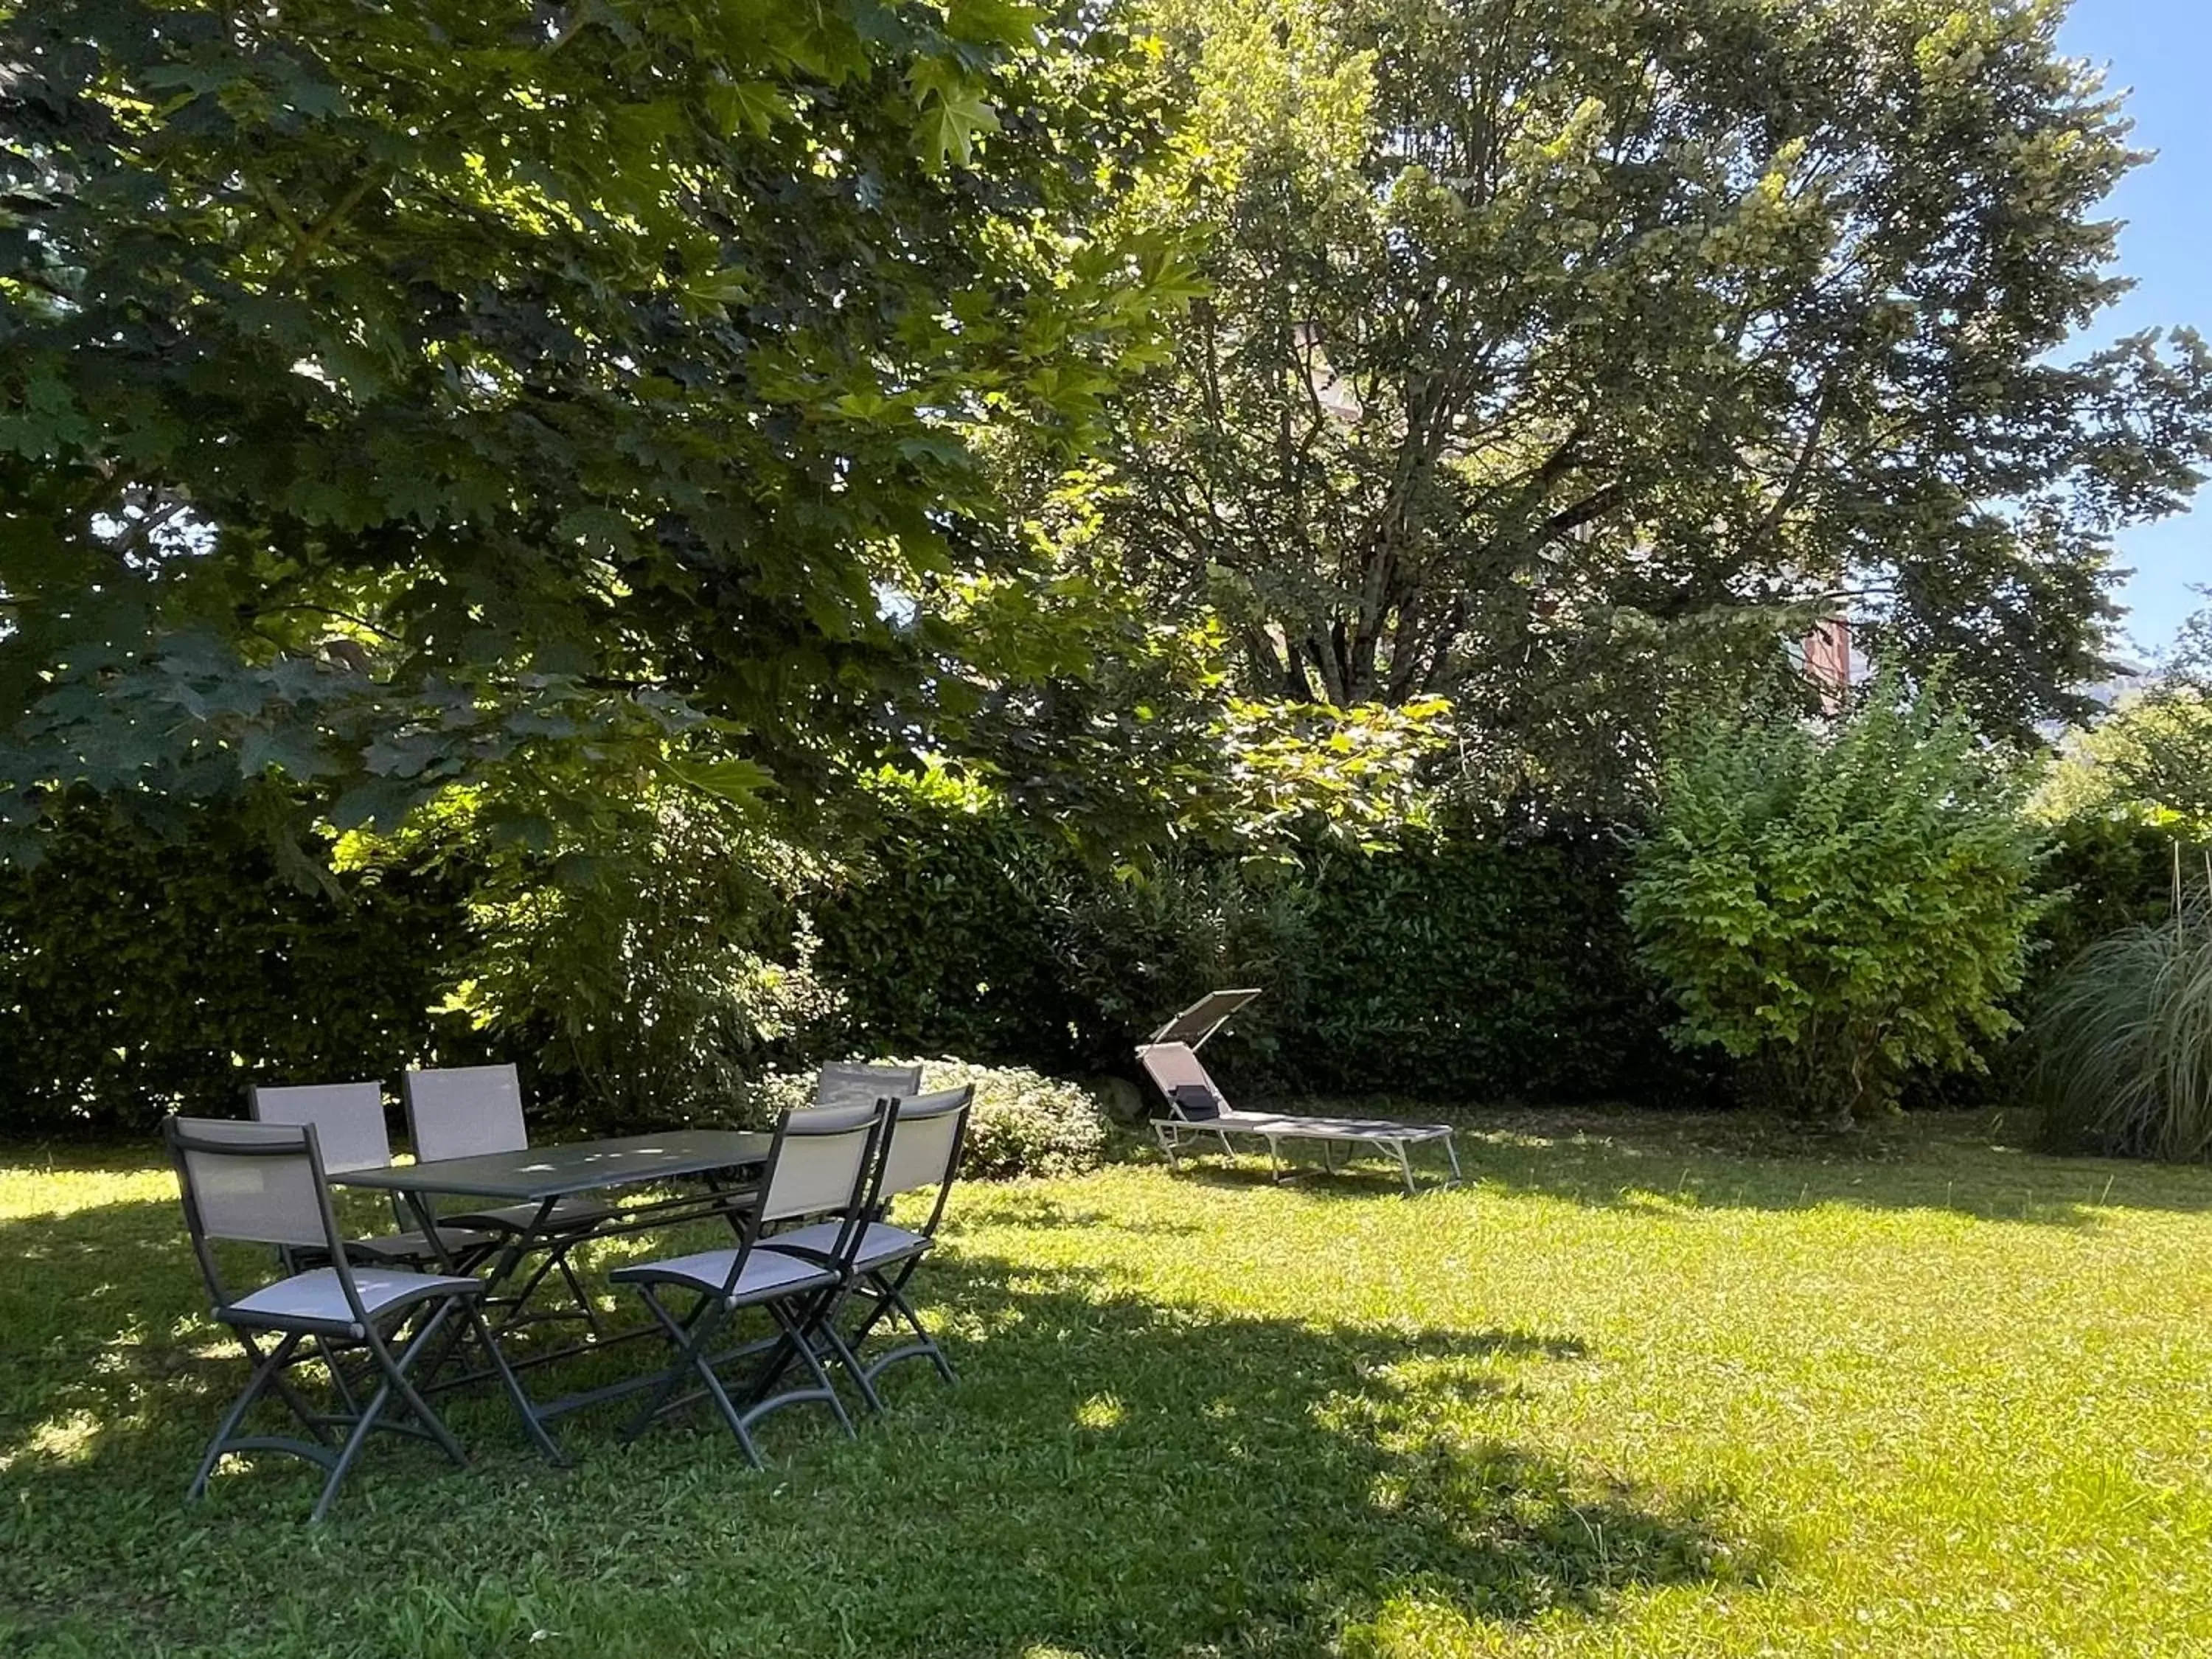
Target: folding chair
<point>922,1151</point>
<point>349,1132</point>
<point>819,1162</point>
<point>262,1183</point>
<point>462,1111</point>
<point>845,1083</point>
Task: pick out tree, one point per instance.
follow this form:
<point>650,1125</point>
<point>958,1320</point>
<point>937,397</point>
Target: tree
<point>401,395</point>
<point>2149,758</point>
<point>1565,358</point>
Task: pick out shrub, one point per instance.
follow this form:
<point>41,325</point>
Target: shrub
<point>140,974</point>
<point>1469,964</point>
<point>646,965</point>
<point>2123,1040</point>
<point>1024,1123</point>
<point>1839,907</point>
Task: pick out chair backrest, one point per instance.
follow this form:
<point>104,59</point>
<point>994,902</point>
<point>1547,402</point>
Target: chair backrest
<point>922,1148</point>
<point>1173,1066</point>
<point>460,1111</point>
<point>820,1162</point>
<point>258,1184</point>
<point>349,1120</point>
<point>847,1083</point>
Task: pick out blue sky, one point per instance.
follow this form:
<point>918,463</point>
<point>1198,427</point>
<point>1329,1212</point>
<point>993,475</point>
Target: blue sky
<point>2162,49</point>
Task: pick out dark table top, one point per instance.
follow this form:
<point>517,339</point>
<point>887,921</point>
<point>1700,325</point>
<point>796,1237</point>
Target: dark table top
<point>542,1172</point>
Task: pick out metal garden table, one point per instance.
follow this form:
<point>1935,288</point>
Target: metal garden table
<point>543,1176</point>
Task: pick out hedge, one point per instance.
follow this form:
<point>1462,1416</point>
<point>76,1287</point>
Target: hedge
<point>1465,967</point>
<point>140,975</point>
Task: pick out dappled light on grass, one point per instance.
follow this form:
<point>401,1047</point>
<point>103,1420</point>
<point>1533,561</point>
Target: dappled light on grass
<point>1633,1392</point>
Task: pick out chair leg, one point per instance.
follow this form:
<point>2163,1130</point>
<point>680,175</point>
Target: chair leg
<point>683,1339</point>
<point>395,1372</point>
<point>265,1369</point>
<point>739,1422</point>
<point>363,1427</point>
<point>1451,1152</point>
<point>848,1359</point>
<point>888,1296</point>
<point>795,1326</point>
<point>693,1339</point>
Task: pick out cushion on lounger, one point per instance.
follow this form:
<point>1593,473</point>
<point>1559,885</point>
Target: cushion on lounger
<point>1195,1100</point>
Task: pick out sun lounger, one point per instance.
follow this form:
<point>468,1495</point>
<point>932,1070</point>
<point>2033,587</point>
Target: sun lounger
<point>1197,1108</point>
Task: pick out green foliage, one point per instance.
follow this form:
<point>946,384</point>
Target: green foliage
<point>2150,758</point>
<point>2124,1040</point>
<point>1024,1123</point>
<point>1842,907</point>
<point>648,962</point>
<point>1565,358</point>
<point>1440,965</point>
<point>397,396</point>
<point>2103,874</point>
<point>1482,966</point>
<point>142,973</point>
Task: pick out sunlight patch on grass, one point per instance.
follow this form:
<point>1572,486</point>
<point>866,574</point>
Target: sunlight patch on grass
<point>1100,1411</point>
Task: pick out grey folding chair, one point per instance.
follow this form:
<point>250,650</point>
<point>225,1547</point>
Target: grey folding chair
<point>922,1153</point>
<point>264,1183</point>
<point>464,1111</point>
<point>820,1161</point>
<point>348,1121</point>
<point>847,1083</point>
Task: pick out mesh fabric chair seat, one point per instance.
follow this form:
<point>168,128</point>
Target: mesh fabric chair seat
<point>759,1274</point>
<point>318,1296</point>
<point>880,1244</point>
<point>464,1111</point>
<point>348,1121</point>
<point>819,1162</point>
<point>264,1183</point>
<point>920,1154</point>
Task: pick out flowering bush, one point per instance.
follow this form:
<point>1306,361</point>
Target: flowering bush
<point>1024,1123</point>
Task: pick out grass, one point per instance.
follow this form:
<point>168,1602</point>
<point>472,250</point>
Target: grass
<point>1652,1386</point>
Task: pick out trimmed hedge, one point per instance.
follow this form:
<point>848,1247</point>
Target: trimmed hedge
<point>138,976</point>
<point>1460,967</point>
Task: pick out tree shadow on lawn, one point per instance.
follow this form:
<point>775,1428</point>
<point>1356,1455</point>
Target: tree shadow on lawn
<point>1968,1165</point>
<point>1111,1476</point>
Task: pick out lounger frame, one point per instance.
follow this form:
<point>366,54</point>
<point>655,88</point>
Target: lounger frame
<point>1174,1065</point>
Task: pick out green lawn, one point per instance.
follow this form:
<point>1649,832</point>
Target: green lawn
<point>1647,1388</point>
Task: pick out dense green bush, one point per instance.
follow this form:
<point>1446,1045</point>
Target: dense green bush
<point>2103,874</point>
<point>140,975</point>
<point>1839,907</point>
<point>1481,967</point>
<point>1468,966</point>
<point>643,967</point>
<point>1024,1123</point>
